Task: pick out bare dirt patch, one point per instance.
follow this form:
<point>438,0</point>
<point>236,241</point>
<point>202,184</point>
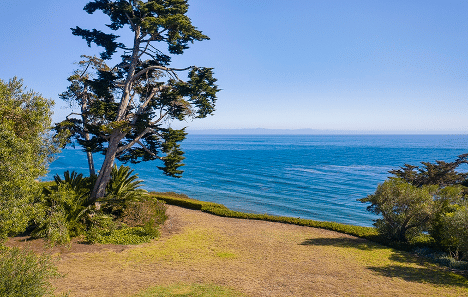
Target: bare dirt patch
<point>257,258</point>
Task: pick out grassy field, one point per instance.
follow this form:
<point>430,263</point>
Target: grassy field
<point>200,254</point>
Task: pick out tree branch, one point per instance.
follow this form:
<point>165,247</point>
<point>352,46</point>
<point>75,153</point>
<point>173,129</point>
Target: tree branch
<point>170,70</point>
<point>132,143</point>
<point>148,151</point>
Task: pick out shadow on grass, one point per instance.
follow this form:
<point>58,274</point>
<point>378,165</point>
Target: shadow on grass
<point>344,242</point>
<point>423,273</point>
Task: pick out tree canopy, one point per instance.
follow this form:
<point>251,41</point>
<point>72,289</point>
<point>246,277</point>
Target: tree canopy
<point>127,109</point>
<point>25,152</point>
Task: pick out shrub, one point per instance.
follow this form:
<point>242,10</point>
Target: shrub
<point>139,213</point>
<point>76,182</point>
<point>121,189</point>
<point>406,209</point>
<point>63,215</point>
<point>446,201</point>
<point>453,234</point>
<point>23,273</point>
<point>139,223</point>
<point>126,216</point>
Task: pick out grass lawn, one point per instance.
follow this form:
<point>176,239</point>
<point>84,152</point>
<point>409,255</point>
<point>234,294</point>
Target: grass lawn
<point>200,254</point>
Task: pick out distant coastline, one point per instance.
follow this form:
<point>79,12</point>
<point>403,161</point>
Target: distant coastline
<point>264,131</point>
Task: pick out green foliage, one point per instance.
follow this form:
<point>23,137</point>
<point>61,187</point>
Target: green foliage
<point>126,110</point>
<point>147,211</point>
<point>440,173</point>
<point>126,216</point>
<point>138,223</point>
<point>165,20</point>
<point>80,185</point>
<point>406,209</point>
<point>123,185</point>
<point>453,232</point>
<point>123,188</point>
<point>25,152</point>
<point>23,273</point>
<point>448,200</point>
<point>432,198</point>
<point>63,215</point>
<point>174,156</point>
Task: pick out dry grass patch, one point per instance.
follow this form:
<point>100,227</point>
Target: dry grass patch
<point>189,290</point>
<point>256,258</point>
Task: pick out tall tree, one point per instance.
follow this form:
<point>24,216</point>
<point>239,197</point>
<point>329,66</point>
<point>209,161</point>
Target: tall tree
<point>25,152</point>
<point>134,102</point>
<point>79,93</point>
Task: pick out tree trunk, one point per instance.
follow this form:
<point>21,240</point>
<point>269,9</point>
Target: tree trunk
<point>99,190</point>
<point>92,171</point>
<point>84,106</point>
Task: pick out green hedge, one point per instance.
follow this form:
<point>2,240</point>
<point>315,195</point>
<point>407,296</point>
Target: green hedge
<point>223,211</point>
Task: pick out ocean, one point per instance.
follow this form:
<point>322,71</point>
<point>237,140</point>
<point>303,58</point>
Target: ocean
<point>316,177</point>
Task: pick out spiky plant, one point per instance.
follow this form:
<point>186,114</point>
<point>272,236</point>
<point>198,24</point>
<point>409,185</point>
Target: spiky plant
<point>123,185</point>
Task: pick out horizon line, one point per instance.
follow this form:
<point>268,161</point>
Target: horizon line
<point>321,131</point>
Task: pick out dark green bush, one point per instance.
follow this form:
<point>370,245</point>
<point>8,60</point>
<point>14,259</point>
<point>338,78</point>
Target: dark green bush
<point>406,210</point>
<point>63,215</point>
<point>125,216</point>
<point>439,173</point>
<point>139,223</point>
<point>23,273</point>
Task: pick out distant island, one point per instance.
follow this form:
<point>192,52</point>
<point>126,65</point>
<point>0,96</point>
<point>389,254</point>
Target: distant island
<point>265,131</point>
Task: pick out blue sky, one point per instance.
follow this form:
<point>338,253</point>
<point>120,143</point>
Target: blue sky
<point>378,66</point>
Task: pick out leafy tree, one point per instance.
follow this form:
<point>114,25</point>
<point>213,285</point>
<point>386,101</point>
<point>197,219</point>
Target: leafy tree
<point>440,173</point>
<point>405,208</point>
<point>25,152</point>
<point>79,93</point>
<point>129,107</point>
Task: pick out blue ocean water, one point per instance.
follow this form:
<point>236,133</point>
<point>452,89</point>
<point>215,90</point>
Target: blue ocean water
<point>309,176</point>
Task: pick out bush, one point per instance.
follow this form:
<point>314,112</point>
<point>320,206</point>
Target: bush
<point>406,209</point>
<point>139,223</point>
<point>127,215</point>
<point>453,234</point>
<point>63,215</point>
<point>446,201</point>
<point>23,273</point>
<point>139,213</point>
